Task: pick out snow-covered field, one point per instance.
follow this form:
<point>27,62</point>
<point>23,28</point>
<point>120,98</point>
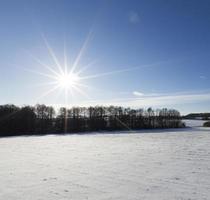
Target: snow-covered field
<point>156,165</point>
<point>194,123</point>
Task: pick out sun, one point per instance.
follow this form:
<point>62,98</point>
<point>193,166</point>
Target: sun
<point>67,80</point>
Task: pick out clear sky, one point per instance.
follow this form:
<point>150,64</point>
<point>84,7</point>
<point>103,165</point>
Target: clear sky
<point>136,53</point>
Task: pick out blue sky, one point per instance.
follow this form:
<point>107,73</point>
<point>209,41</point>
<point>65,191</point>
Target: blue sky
<point>158,51</point>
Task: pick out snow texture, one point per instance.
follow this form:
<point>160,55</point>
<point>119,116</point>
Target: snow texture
<point>153,165</point>
<point>194,123</point>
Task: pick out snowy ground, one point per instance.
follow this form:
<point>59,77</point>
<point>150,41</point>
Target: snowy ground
<point>194,123</point>
<point>156,165</point>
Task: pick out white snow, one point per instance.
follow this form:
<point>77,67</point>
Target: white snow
<point>156,165</point>
<point>194,123</point>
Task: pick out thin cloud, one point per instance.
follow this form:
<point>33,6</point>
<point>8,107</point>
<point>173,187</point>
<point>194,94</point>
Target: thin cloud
<point>168,100</point>
<point>136,93</point>
<point>133,17</point>
<point>202,77</point>
<point>148,100</point>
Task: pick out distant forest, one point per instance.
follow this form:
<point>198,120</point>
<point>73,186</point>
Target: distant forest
<point>42,119</point>
<point>203,116</point>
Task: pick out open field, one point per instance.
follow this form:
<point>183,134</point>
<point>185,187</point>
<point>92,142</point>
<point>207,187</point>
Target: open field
<point>152,164</point>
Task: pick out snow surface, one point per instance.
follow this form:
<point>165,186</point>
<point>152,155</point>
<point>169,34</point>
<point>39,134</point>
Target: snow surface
<point>194,123</point>
<point>156,165</point>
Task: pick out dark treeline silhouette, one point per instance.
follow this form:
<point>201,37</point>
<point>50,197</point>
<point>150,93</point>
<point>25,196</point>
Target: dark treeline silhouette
<point>203,116</point>
<point>42,119</point>
<point>206,124</point>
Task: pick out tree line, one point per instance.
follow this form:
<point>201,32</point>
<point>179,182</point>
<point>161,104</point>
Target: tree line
<point>203,116</point>
<point>42,119</point>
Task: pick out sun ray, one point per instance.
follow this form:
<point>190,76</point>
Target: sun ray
<point>86,67</point>
<point>48,92</point>
<point>84,86</point>
<point>50,83</point>
<point>65,58</point>
<point>80,91</point>
<point>122,123</point>
<point>52,54</point>
<point>116,72</point>
<point>109,73</point>
<point>84,46</point>
<point>43,64</point>
<point>57,95</point>
<point>40,73</point>
<point>72,95</point>
<point>66,96</point>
